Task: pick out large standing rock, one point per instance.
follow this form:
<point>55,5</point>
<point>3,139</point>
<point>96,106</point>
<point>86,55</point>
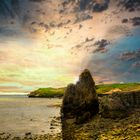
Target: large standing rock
<point>80,101</point>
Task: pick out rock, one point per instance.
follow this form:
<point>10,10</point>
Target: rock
<point>16,138</point>
<point>119,104</point>
<point>80,104</point>
<point>28,133</point>
<point>2,133</point>
<point>80,99</point>
<point>52,127</point>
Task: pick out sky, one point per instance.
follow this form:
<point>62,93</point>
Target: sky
<point>47,43</point>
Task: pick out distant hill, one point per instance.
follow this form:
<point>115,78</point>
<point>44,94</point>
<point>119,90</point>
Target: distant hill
<point>100,89</point>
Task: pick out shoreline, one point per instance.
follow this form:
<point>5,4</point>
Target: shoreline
<point>53,135</point>
<point>29,135</point>
<point>23,117</point>
<point>13,94</point>
<point>102,90</point>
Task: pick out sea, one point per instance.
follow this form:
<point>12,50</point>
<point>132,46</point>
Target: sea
<point>20,114</point>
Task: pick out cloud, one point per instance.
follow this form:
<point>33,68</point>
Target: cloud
<point>41,46</point>
<point>131,55</point>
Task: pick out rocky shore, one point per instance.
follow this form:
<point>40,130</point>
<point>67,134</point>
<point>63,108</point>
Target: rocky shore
<point>85,116</point>
<point>29,136</point>
<point>55,123</point>
<point>24,118</point>
<point>88,115</point>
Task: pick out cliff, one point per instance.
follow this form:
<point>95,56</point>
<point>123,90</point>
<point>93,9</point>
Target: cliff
<point>119,104</point>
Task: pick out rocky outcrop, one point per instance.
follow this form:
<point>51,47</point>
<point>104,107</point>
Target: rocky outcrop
<point>119,104</point>
<point>80,101</point>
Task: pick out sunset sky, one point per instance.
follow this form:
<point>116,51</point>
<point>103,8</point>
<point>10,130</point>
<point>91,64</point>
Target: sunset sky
<point>43,44</point>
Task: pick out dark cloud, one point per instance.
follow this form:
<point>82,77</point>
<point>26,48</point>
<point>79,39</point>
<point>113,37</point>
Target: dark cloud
<point>36,0</point>
<point>82,17</point>
<point>9,8</point>
<point>136,64</point>
<point>131,55</point>
<point>8,32</point>
<point>87,45</point>
<point>136,21</point>
<point>130,5</point>
<point>92,5</point>
<point>101,45</point>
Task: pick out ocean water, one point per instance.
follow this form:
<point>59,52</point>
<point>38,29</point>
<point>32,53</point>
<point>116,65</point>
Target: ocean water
<point>20,114</point>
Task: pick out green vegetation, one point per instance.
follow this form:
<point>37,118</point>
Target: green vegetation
<point>47,92</point>
<point>101,89</point>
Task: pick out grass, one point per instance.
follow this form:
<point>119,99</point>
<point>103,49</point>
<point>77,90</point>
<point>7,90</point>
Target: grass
<point>47,92</point>
<point>101,89</point>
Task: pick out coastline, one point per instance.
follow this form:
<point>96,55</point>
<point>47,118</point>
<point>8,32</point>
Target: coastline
<point>27,118</point>
<point>102,90</point>
<point>85,130</point>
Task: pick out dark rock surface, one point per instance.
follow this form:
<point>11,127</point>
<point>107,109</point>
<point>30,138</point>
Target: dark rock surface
<point>80,101</point>
<point>80,104</point>
<point>119,105</point>
<point>100,128</point>
<point>118,118</point>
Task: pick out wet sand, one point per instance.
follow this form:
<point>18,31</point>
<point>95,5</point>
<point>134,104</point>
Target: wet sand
<point>20,115</point>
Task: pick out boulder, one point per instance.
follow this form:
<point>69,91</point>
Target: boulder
<point>80,100</point>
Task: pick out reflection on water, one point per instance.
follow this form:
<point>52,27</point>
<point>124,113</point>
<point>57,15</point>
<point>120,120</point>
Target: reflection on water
<point>20,114</point>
